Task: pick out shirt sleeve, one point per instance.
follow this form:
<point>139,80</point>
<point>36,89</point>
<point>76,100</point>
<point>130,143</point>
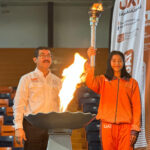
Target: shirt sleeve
<point>136,107</point>
<point>93,82</point>
<point>20,102</point>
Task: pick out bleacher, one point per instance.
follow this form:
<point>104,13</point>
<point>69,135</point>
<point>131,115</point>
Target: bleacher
<point>7,130</point>
<point>89,101</point>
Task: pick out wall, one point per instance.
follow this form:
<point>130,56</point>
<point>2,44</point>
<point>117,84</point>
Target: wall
<point>26,26</point>
<point>14,62</point>
<point>23,26</point>
<point>72,27</point>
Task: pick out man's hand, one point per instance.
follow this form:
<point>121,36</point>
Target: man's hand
<point>20,136</point>
<point>91,52</point>
<point>133,138</point>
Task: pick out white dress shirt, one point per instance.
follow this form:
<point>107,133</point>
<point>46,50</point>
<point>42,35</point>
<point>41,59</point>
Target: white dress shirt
<point>35,94</point>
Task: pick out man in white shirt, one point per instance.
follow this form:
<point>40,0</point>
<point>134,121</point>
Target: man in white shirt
<point>37,92</point>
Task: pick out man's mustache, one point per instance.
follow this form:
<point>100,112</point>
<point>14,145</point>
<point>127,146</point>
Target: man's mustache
<point>46,61</point>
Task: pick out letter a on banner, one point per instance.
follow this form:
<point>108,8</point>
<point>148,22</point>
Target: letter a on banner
<point>127,36</point>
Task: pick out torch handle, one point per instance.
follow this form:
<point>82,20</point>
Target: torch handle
<point>94,13</point>
<point>92,61</point>
<point>93,42</point>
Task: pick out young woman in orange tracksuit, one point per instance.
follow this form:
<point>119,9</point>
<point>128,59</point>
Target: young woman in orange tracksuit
<point>120,106</point>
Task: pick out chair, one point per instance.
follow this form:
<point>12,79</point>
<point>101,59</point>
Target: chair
<point>13,93</point>
<point>90,107</point>
<point>6,89</point>
<point>11,102</point>
<point>93,137</point>
<point>4,95</point>
<point>85,92</point>
<point>18,148</point>
<point>4,102</point>
<point>9,111</point>
<point>94,146</point>
<point>5,148</point>
<point>2,110</point>
<point>8,120</point>
<point>1,120</point>
<point>7,96</point>
<point>92,100</point>
<point>7,130</point>
<point>93,126</point>
<point>6,141</point>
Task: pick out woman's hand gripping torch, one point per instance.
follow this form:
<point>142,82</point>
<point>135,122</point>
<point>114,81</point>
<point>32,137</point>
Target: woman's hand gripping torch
<point>91,52</point>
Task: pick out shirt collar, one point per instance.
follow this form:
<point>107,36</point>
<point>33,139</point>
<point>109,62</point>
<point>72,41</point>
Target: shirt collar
<point>39,72</point>
<point>115,78</point>
<point>123,78</point>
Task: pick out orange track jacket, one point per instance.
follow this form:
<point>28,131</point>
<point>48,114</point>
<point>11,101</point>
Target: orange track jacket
<point>119,101</point>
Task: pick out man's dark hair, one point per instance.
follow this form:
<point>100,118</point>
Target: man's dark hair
<point>109,71</point>
<point>36,53</point>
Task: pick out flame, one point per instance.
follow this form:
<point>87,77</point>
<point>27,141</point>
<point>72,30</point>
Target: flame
<point>97,6</point>
<point>72,77</point>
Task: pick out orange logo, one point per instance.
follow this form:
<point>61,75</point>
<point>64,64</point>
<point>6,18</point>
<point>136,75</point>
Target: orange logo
<point>34,79</point>
<point>129,56</point>
<point>127,3</point>
<point>107,126</point>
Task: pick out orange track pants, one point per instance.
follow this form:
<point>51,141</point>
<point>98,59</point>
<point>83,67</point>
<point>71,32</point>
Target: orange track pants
<point>115,137</point>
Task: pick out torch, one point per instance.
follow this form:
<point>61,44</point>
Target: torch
<point>94,13</point>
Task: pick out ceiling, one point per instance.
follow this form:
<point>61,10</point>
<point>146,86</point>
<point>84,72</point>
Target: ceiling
<point>3,3</point>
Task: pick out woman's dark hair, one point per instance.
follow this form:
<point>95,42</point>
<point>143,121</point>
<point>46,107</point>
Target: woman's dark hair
<point>109,71</point>
<point>36,52</point>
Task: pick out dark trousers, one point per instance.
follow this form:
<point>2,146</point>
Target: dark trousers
<point>37,138</point>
